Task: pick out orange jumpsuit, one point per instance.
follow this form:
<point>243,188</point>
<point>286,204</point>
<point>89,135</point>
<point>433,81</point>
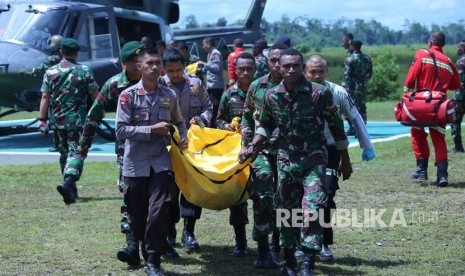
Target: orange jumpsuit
<point>422,75</point>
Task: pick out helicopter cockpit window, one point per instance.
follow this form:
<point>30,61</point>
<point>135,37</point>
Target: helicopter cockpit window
<point>31,25</point>
<point>97,32</point>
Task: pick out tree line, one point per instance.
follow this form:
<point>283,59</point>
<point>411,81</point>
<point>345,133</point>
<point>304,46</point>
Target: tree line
<point>317,33</point>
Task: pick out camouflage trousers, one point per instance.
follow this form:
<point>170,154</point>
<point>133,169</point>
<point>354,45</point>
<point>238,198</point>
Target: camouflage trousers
<point>359,98</point>
<point>125,221</point>
<point>67,141</point>
<point>292,182</point>
<point>456,128</point>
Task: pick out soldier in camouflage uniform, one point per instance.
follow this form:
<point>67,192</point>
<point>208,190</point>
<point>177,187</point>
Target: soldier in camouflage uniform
<point>65,89</point>
<point>108,96</point>
<point>196,108</point>
<point>261,62</point>
<point>188,57</point>
<point>262,183</point>
<point>294,113</point>
<point>459,98</point>
<point>357,72</point>
<point>231,106</point>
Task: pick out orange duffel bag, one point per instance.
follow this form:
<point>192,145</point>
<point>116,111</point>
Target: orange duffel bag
<point>425,108</point>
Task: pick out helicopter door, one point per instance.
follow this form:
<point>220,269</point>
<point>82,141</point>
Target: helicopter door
<point>97,34</point>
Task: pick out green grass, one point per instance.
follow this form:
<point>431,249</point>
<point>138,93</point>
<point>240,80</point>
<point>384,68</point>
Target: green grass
<point>42,236</point>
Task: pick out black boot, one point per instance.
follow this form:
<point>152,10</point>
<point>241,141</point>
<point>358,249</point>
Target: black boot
<point>421,173</point>
<point>66,189</point>
<point>458,145</point>
<point>290,267</point>
<point>153,265</point>
<point>442,174</point>
<point>308,264</point>
<point>240,250</point>
<point>275,248</point>
<point>188,239</point>
<point>264,259</point>
<point>130,253</point>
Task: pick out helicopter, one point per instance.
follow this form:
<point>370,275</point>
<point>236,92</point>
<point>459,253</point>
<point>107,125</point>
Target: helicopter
<point>100,27</point>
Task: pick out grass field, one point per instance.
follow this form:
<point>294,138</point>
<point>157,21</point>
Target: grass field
<point>42,236</point>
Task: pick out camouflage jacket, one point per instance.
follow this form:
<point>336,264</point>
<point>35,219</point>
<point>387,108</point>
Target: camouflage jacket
<point>253,105</point>
<point>231,105</point>
<point>460,93</point>
<point>193,99</point>
<point>69,85</point>
<point>357,71</point>
<point>261,65</point>
<point>297,120</point>
<point>49,62</point>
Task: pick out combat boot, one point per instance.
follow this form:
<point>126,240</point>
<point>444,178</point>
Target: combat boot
<point>442,174</point>
<point>188,240</point>
<point>66,189</point>
<point>171,238</point>
<point>299,254</point>
<point>308,265</point>
<point>290,267</point>
<point>264,259</point>
<point>240,250</point>
<point>130,253</point>
<point>326,254</point>
<point>458,145</point>
<point>421,173</point>
<point>153,265</point>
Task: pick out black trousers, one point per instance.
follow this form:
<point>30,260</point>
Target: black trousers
<point>334,158</point>
<point>148,201</point>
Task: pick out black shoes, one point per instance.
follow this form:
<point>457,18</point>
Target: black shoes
<point>130,253</point>
<point>421,172</point>
<point>153,270</point>
<point>66,189</point>
<point>326,254</point>
<point>188,241</point>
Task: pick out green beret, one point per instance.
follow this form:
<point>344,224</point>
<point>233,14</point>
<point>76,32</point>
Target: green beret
<point>70,44</point>
<point>355,42</point>
<point>130,49</point>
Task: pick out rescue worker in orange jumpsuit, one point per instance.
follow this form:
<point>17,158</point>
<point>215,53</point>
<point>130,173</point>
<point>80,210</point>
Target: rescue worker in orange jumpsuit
<point>238,48</point>
<point>423,74</point>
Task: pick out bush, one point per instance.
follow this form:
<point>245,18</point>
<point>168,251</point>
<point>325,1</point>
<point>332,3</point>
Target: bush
<point>383,85</point>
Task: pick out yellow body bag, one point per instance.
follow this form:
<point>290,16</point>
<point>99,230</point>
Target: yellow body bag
<point>207,173</point>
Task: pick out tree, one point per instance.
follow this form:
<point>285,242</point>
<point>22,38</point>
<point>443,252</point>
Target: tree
<point>383,85</point>
<point>221,22</point>
<point>191,22</point>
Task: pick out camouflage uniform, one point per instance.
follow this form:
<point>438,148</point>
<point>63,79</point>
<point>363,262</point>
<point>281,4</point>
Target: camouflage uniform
<point>295,119</point>
<point>459,97</point>
<point>357,71</point>
<point>49,62</point>
<point>261,187</point>
<point>69,85</point>
<point>232,105</point>
<point>108,96</point>
<point>261,65</point>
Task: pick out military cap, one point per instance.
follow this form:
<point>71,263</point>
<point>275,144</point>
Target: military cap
<point>355,42</point>
<point>70,44</point>
<point>130,49</point>
<point>284,39</point>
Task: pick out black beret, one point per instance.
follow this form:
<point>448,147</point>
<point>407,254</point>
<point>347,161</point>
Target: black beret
<point>355,42</point>
<point>70,44</point>
<point>130,49</point>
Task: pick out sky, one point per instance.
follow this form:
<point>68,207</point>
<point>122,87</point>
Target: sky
<point>391,13</point>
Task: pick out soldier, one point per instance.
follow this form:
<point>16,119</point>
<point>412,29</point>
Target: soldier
<point>423,75</point>
<point>171,44</point>
<point>188,57</point>
<point>459,99</point>
<point>231,106</point>
<point>238,48</point>
<point>214,70</point>
<point>144,116</point>
<point>316,70</point>
<point>261,62</point>
<point>147,41</point>
<point>108,96</point>
<point>346,38</point>
<point>65,89</point>
<point>293,113</point>
<point>357,72</point>
<point>262,186</point>
<point>196,108</point>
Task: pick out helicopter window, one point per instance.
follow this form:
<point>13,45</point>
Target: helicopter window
<point>31,28</point>
<point>96,34</point>
<point>129,29</point>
